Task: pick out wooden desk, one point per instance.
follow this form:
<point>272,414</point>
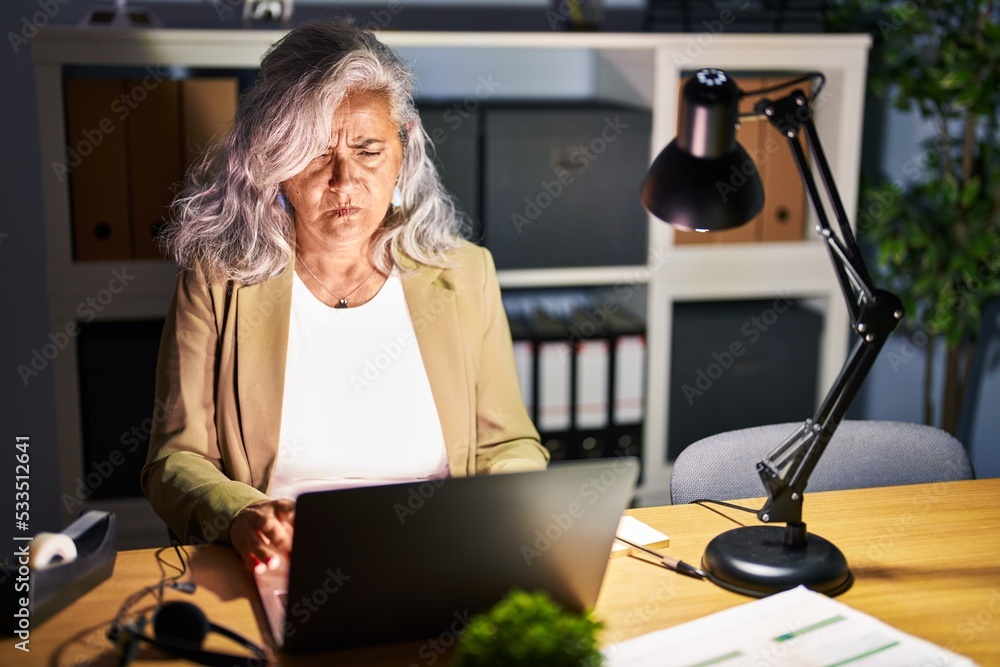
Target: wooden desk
<point>926,559</point>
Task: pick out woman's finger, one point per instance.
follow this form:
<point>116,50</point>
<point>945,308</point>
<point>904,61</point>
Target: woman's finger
<point>262,534</point>
<point>277,533</point>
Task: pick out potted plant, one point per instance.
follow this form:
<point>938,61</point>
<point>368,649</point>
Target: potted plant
<point>529,630</point>
<point>937,228</point>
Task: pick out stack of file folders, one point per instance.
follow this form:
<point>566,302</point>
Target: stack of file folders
<point>582,375</point>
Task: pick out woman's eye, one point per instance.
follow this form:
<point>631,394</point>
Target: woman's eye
<point>370,153</point>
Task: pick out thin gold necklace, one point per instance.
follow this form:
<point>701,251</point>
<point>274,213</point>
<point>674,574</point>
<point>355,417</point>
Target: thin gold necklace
<point>341,300</point>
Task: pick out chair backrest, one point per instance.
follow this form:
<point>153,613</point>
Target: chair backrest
<point>861,454</point>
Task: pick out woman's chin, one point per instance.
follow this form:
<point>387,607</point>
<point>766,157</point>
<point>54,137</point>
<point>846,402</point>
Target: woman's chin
<point>355,227</point>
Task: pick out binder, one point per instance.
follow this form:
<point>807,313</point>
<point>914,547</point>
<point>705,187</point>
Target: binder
<point>524,359</point>
<point>208,106</point>
<point>630,394</point>
<point>554,373</point>
<point>591,395</point>
<point>126,154</point>
<point>629,391</point>
<point>784,214</point>
<point>629,407</point>
<point>622,337</point>
<point>591,382</point>
<point>96,166</point>
<point>750,134</point>
<point>586,366</point>
<point>155,165</point>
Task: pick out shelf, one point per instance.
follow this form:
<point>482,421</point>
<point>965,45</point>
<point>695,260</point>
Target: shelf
<point>232,48</point>
<point>639,69</point>
<point>127,289</point>
<point>605,275</point>
<point>736,271</point>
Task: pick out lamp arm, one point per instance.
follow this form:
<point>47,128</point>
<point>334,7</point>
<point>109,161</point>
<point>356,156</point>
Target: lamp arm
<point>874,314</point>
<point>816,146</point>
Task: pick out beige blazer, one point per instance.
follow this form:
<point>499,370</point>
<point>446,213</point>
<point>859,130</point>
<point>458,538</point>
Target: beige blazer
<point>220,383</point>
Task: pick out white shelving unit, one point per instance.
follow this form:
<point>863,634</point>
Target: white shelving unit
<point>640,69</point>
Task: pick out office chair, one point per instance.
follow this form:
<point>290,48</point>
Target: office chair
<point>861,454</point>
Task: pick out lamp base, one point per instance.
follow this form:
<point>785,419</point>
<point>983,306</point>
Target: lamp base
<point>754,561</point>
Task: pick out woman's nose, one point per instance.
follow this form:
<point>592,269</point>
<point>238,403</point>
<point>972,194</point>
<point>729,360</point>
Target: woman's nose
<point>343,174</point>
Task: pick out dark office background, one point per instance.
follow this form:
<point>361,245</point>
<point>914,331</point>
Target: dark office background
<point>891,393</point>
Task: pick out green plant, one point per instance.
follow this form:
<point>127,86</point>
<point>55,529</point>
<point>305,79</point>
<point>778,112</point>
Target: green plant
<point>529,630</point>
<point>937,228</point>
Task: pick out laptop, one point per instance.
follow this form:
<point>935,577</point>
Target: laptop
<point>412,561</point>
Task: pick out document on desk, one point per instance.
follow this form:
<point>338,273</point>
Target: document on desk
<point>798,627</point>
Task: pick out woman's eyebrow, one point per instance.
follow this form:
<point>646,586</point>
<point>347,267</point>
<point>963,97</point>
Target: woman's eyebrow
<point>366,143</point>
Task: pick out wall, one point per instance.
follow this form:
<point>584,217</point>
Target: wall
<point>27,409</point>
<point>894,390</point>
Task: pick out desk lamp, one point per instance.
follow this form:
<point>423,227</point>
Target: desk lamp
<point>691,185</point>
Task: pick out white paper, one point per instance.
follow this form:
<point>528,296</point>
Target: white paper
<point>797,628</point>
<point>637,532</point>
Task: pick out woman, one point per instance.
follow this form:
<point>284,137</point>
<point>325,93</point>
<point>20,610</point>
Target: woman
<point>331,328</point>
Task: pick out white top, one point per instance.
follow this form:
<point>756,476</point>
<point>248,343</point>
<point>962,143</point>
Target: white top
<point>358,408</point>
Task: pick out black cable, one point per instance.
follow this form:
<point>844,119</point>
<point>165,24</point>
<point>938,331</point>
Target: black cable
<point>703,501</point>
<point>182,569</point>
<point>791,82</point>
<point>172,581</point>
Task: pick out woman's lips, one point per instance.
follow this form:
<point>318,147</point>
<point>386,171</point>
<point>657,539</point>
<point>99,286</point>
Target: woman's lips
<point>345,211</point>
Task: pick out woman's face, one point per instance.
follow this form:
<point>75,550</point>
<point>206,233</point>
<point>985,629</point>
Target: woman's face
<point>344,194</point>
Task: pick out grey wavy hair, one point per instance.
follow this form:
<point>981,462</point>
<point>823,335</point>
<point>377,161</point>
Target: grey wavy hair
<point>229,221</point>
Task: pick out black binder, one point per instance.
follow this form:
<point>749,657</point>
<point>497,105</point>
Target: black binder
<point>565,349</point>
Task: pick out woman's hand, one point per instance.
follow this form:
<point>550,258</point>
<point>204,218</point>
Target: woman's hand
<point>262,533</point>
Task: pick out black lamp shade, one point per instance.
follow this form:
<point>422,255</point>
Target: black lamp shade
<point>700,194</point>
<point>704,180</point>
